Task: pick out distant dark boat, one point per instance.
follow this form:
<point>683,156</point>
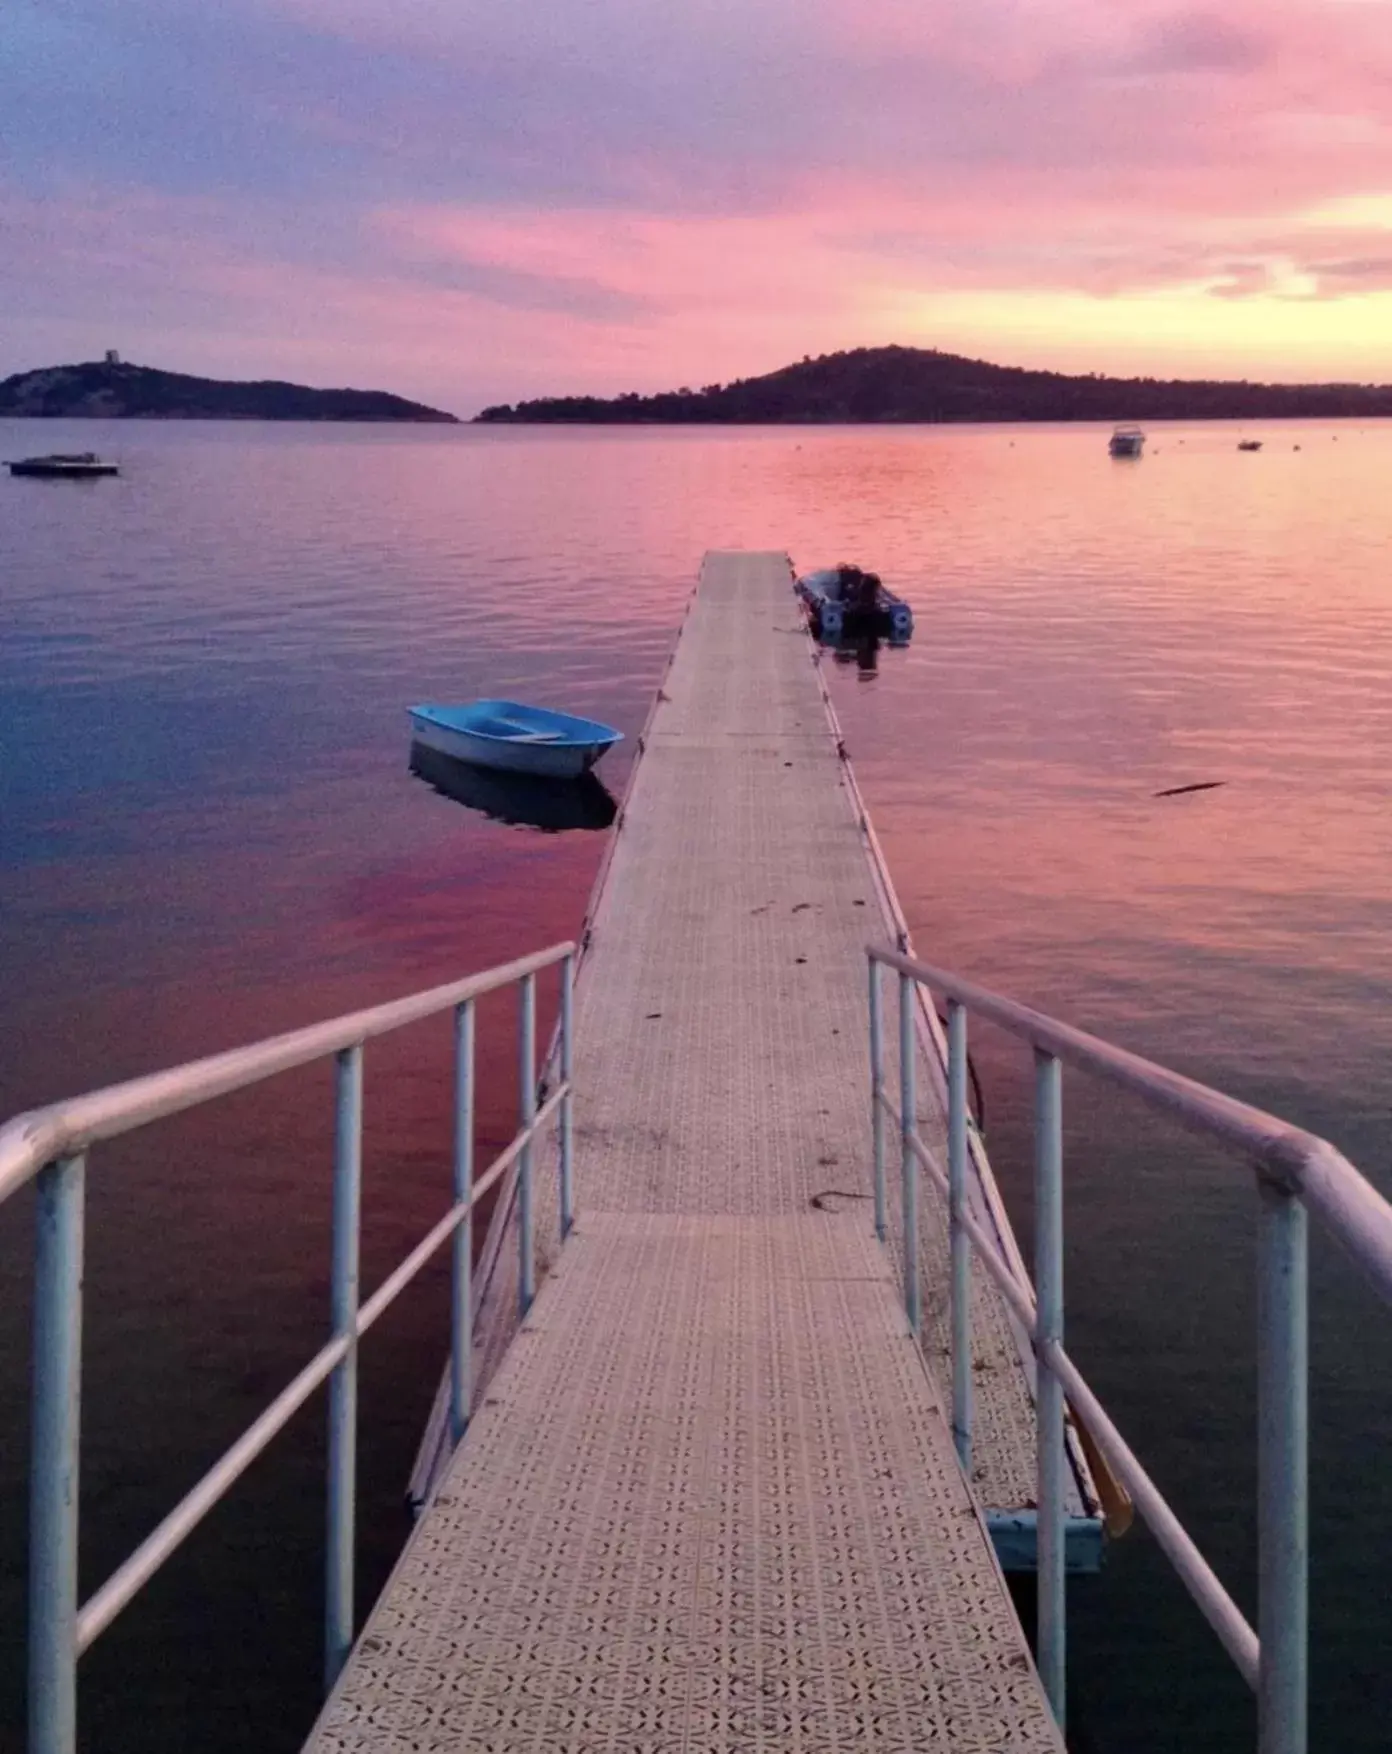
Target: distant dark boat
<point>74,466</point>
<point>1249,444</point>
<point>844,603</point>
<point>524,800</point>
<point>1126,441</point>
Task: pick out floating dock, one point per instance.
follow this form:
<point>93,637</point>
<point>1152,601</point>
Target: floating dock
<point>709,1497</point>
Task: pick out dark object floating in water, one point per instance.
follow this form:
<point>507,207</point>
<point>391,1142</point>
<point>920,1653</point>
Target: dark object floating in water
<point>65,466</point>
<point>844,603</point>
<point>1249,444</point>
<point>522,800</point>
<point>1198,786</point>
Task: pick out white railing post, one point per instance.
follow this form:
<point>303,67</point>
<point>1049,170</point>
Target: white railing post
<point>877,1098</point>
<point>527,1084</point>
<point>343,1384</point>
<point>1051,1459</point>
<point>1282,1471</point>
<point>55,1440</point>
<point>567,1118</point>
<point>461,1283</point>
<point>907,1116</point>
<point>961,1245</point>
<point>47,1146</point>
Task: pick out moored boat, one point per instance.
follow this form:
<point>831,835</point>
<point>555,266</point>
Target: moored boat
<point>65,466</point>
<point>509,735</point>
<point>845,603</point>
<point>1249,444</point>
<point>1126,441</point>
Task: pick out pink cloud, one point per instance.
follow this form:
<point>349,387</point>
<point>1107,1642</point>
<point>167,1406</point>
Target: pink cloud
<point>619,195</point>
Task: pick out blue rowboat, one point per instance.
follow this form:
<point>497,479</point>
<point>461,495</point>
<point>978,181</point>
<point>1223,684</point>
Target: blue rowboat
<point>520,739</point>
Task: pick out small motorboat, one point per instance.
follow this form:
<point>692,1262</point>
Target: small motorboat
<point>844,603</point>
<point>1126,441</point>
<point>520,739</point>
<point>522,800</point>
<point>1249,444</point>
<point>70,466</point>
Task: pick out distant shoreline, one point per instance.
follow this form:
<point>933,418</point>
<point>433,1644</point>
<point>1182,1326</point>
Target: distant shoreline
<point>809,421</point>
<point>113,390</point>
<point>907,386</point>
<point>190,419</point>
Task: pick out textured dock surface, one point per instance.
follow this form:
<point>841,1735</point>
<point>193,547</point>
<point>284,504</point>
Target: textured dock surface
<point>710,1503</point>
<point>723,1061</point>
<point>709,1500</point>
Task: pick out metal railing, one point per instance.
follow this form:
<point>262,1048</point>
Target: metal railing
<point>50,1145</point>
<point>1294,1172</point>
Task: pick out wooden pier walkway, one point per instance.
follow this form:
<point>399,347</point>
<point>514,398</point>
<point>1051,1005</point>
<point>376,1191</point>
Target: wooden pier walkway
<point>709,1498</point>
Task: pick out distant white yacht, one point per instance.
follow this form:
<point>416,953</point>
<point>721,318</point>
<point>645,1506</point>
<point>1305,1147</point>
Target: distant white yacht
<point>1127,441</point>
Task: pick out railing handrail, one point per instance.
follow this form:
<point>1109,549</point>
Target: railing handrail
<point>50,1145</point>
<point>1292,1170</point>
<point>62,1129</point>
<point>1302,1162</point>
<point>106,1602</point>
<point>1198,1575</point>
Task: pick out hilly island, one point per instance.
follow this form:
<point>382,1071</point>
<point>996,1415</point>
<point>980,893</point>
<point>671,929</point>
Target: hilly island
<point>112,390</point>
<point>921,384</point>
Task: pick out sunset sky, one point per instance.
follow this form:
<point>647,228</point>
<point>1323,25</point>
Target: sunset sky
<point>469,200</point>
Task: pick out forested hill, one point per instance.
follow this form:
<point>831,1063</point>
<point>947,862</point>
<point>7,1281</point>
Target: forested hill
<point>113,390</point>
<point>919,384</point>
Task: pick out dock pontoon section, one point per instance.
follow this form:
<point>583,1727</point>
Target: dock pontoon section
<point>710,1502</point>
<point>709,1498</point>
<point>721,1003</point>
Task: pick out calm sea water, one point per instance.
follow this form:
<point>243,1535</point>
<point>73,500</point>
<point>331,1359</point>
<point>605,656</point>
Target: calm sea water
<point>208,832</point>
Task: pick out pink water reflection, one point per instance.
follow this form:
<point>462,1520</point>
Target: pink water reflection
<point>241,848</point>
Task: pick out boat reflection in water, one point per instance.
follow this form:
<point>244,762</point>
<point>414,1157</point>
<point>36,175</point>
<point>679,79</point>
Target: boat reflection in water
<point>863,653</point>
<point>525,800</point>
